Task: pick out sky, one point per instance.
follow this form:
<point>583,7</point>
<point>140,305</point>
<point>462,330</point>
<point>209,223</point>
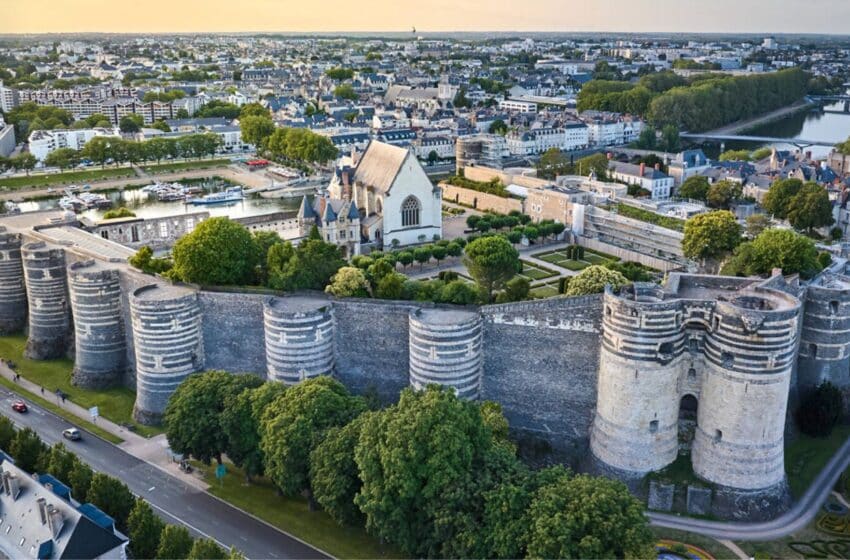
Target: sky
<point>116,16</point>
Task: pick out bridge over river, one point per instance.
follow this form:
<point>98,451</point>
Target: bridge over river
<point>799,142</point>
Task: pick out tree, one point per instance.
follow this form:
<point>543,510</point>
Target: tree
<point>491,262</point>
<point>345,91</point>
<point>810,208</point>
<point>391,286</point>
<point>113,497</point>
<point>60,462</point>
<point>460,100</point>
<point>193,413</point>
<point>218,251</point>
<point>256,129</point>
<point>735,155</point>
<point>498,126</point>
<point>419,461</point>
<point>80,478</point>
<point>27,448</point>
<point>757,223</point>
<point>145,530</point>
<point>593,279</point>
<point>240,423</point>
<point>422,254</point>
<point>588,517</point>
<point>7,432</point>
<point>820,410</point>
<point>310,266</point>
<point>552,163</point>
<point>206,549</point>
<point>25,161</point>
<point>405,258</point>
<point>349,282</point>
<point>334,476</point>
<point>294,424</point>
<point>301,145</point>
<point>778,197</point>
<point>131,123</point>
<point>775,248</point>
<point>98,150</point>
<point>710,235</point>
<point>516,289</point>
<point>433,156</point>
<point>339,73</point>
<point>122,212</point>
<point>459,292</point>
<point>647,138</point>
<point>253,110</point>
<point>63,158</point>
<point>695,188</point>
<point>175,543</point>
<point>722,193</point>
<point>670,141</point>
<point>161,125</point>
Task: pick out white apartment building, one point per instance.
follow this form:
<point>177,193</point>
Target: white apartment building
<point>518,106</point>
<point>8,98</point>
<point>42,142</point>
<point>605,132</point>
<point>7,138</point>
<point>659,184</point>
<point>576,136</point>
<point>534,141</point>
<point>442,145</point>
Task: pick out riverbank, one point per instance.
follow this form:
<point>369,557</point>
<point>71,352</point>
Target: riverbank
<point>764,118</point>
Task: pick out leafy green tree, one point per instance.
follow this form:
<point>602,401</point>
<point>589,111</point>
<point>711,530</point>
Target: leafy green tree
<point>757,223</point>
<point>670,141</point>
<point>778,198</point>
<point>79,478</point>
<point>349,282</point>
<point>422,254</point>
<point>63,158</point>
<point>175,543</point>
<point>516,289</point>
<point>301,145</point>
<point>418,463</point>
<point>459,292</point>
<point>722,193</point>
<point>98,150</point>
<point>498,126</point>
<point>391,286</point>
<point>122,212</point>
<point>216,108</point>
<point>405,258</point>
<point>735,155</point>
<point>820,410</point>
<point>256,129</point>
<point>24,162</point>
<point>588,517</point>
<point>695,188</point>
<point>7,432</point>
<point>60,462</point>
<point>26,448</point>
<point>218,251</point>
<point>647,138</point>
<point>145,530</point>
<point>552,163</point>
<point>161,125</point>
<point>491,262</point>
<point>253,110</point>
<point>339,73</point>
<point>206,549</point>
<point>113,497</point>
<point>710,235</point>
<point>131,123</point>
<point>294,424</point>
<point>334,476</point>
<point>775,248</point>
<point>810,208</point>
<point>345,91</point>
<point>310,266</point>
<point>240,423</point>
<point>593,279</point>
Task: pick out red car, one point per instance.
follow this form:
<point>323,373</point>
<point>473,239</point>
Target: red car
<point>19,406</point>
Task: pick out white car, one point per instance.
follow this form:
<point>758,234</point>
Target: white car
<point>72,433</point>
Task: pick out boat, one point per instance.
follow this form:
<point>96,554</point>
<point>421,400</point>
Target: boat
<point>71,203</point>
<point>94,200</point>
<point>229,196</point>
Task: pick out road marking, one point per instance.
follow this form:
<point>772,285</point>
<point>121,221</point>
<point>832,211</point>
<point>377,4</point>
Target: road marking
<point>189,525</point>
<point>152,488</point>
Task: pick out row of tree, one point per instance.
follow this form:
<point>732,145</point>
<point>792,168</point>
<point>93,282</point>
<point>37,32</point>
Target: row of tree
<point>299,145</point>
<point>112,149</point>
<point>149,536</point>
<point>432,475</point>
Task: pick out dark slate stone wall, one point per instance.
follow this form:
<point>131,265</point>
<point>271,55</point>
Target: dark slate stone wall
<point>540,364</point>
<point>234,339</point>
<point>372,345</point>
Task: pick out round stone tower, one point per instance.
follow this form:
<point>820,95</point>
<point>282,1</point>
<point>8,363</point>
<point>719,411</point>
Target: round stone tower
<point>13,292</point>
<point>168,342</point>
<point>825,337</point>
<point>299,333</point>
<point>47,293</point>
<point>100,344</point>
<point>445,348</point>
<point>750,352</point>
<point>635,429</point>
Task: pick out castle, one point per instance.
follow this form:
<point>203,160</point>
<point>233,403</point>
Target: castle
<point>613,378</point>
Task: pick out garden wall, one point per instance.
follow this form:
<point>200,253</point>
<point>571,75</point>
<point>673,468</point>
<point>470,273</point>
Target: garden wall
<point>480,200</point>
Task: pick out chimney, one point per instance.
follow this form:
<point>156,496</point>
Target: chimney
<point>55,520</point>
<point>642,168</point>
<point>42,510</point>
<point>658,167</point>
<point>5,481</point>
<point>14,486</point>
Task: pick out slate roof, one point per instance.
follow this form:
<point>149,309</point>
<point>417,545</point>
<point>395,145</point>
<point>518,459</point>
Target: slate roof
<point>380,165</point>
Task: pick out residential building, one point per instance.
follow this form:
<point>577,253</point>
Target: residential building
<point>42,142</point>
<point>7,138</point>
<point>518,106</point>
<point>8,98</point>
<point>486,150</point>
<point>687,164</point>
<point>443,146</point>
<point>658,183</point>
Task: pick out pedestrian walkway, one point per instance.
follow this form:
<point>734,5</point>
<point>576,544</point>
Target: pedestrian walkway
<point>152,450</point>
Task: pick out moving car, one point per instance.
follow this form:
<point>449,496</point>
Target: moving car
<point>72,433</point>
<point>19,406</point>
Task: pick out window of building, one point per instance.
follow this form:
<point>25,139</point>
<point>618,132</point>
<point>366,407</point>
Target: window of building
<point>163,229</point>
<point>653,426</point>
<point>410,210</point>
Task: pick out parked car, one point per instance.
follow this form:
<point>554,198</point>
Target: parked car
<point>72,433</point>
<point>19,406</point>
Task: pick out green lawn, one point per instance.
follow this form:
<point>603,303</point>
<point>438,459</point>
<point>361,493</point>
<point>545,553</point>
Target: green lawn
<point>293,516</point>
<point>668,222</point>
<point>534,272</point>
<point>114,404</point>
<point>185,165</point>
<point>805,457</point>
<point>66,178</point>
<point>544,291</point>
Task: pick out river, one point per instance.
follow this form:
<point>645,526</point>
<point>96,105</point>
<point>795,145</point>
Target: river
<point>147,206</point>
<point>809,125</point>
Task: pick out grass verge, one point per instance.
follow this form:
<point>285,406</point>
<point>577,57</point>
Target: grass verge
<point>114,404</point>
<point>806,456</point>
<point>185,165</point>
<point>292,515</point>
<point>66,178</point>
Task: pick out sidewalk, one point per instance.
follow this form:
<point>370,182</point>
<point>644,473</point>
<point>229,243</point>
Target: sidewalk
<point>151,450</point>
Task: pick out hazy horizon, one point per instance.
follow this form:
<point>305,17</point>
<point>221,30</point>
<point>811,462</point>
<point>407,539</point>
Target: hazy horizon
<point>429,16</point>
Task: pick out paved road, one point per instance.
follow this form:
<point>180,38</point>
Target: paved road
<point>176,501</point>
<point>803,512</point>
